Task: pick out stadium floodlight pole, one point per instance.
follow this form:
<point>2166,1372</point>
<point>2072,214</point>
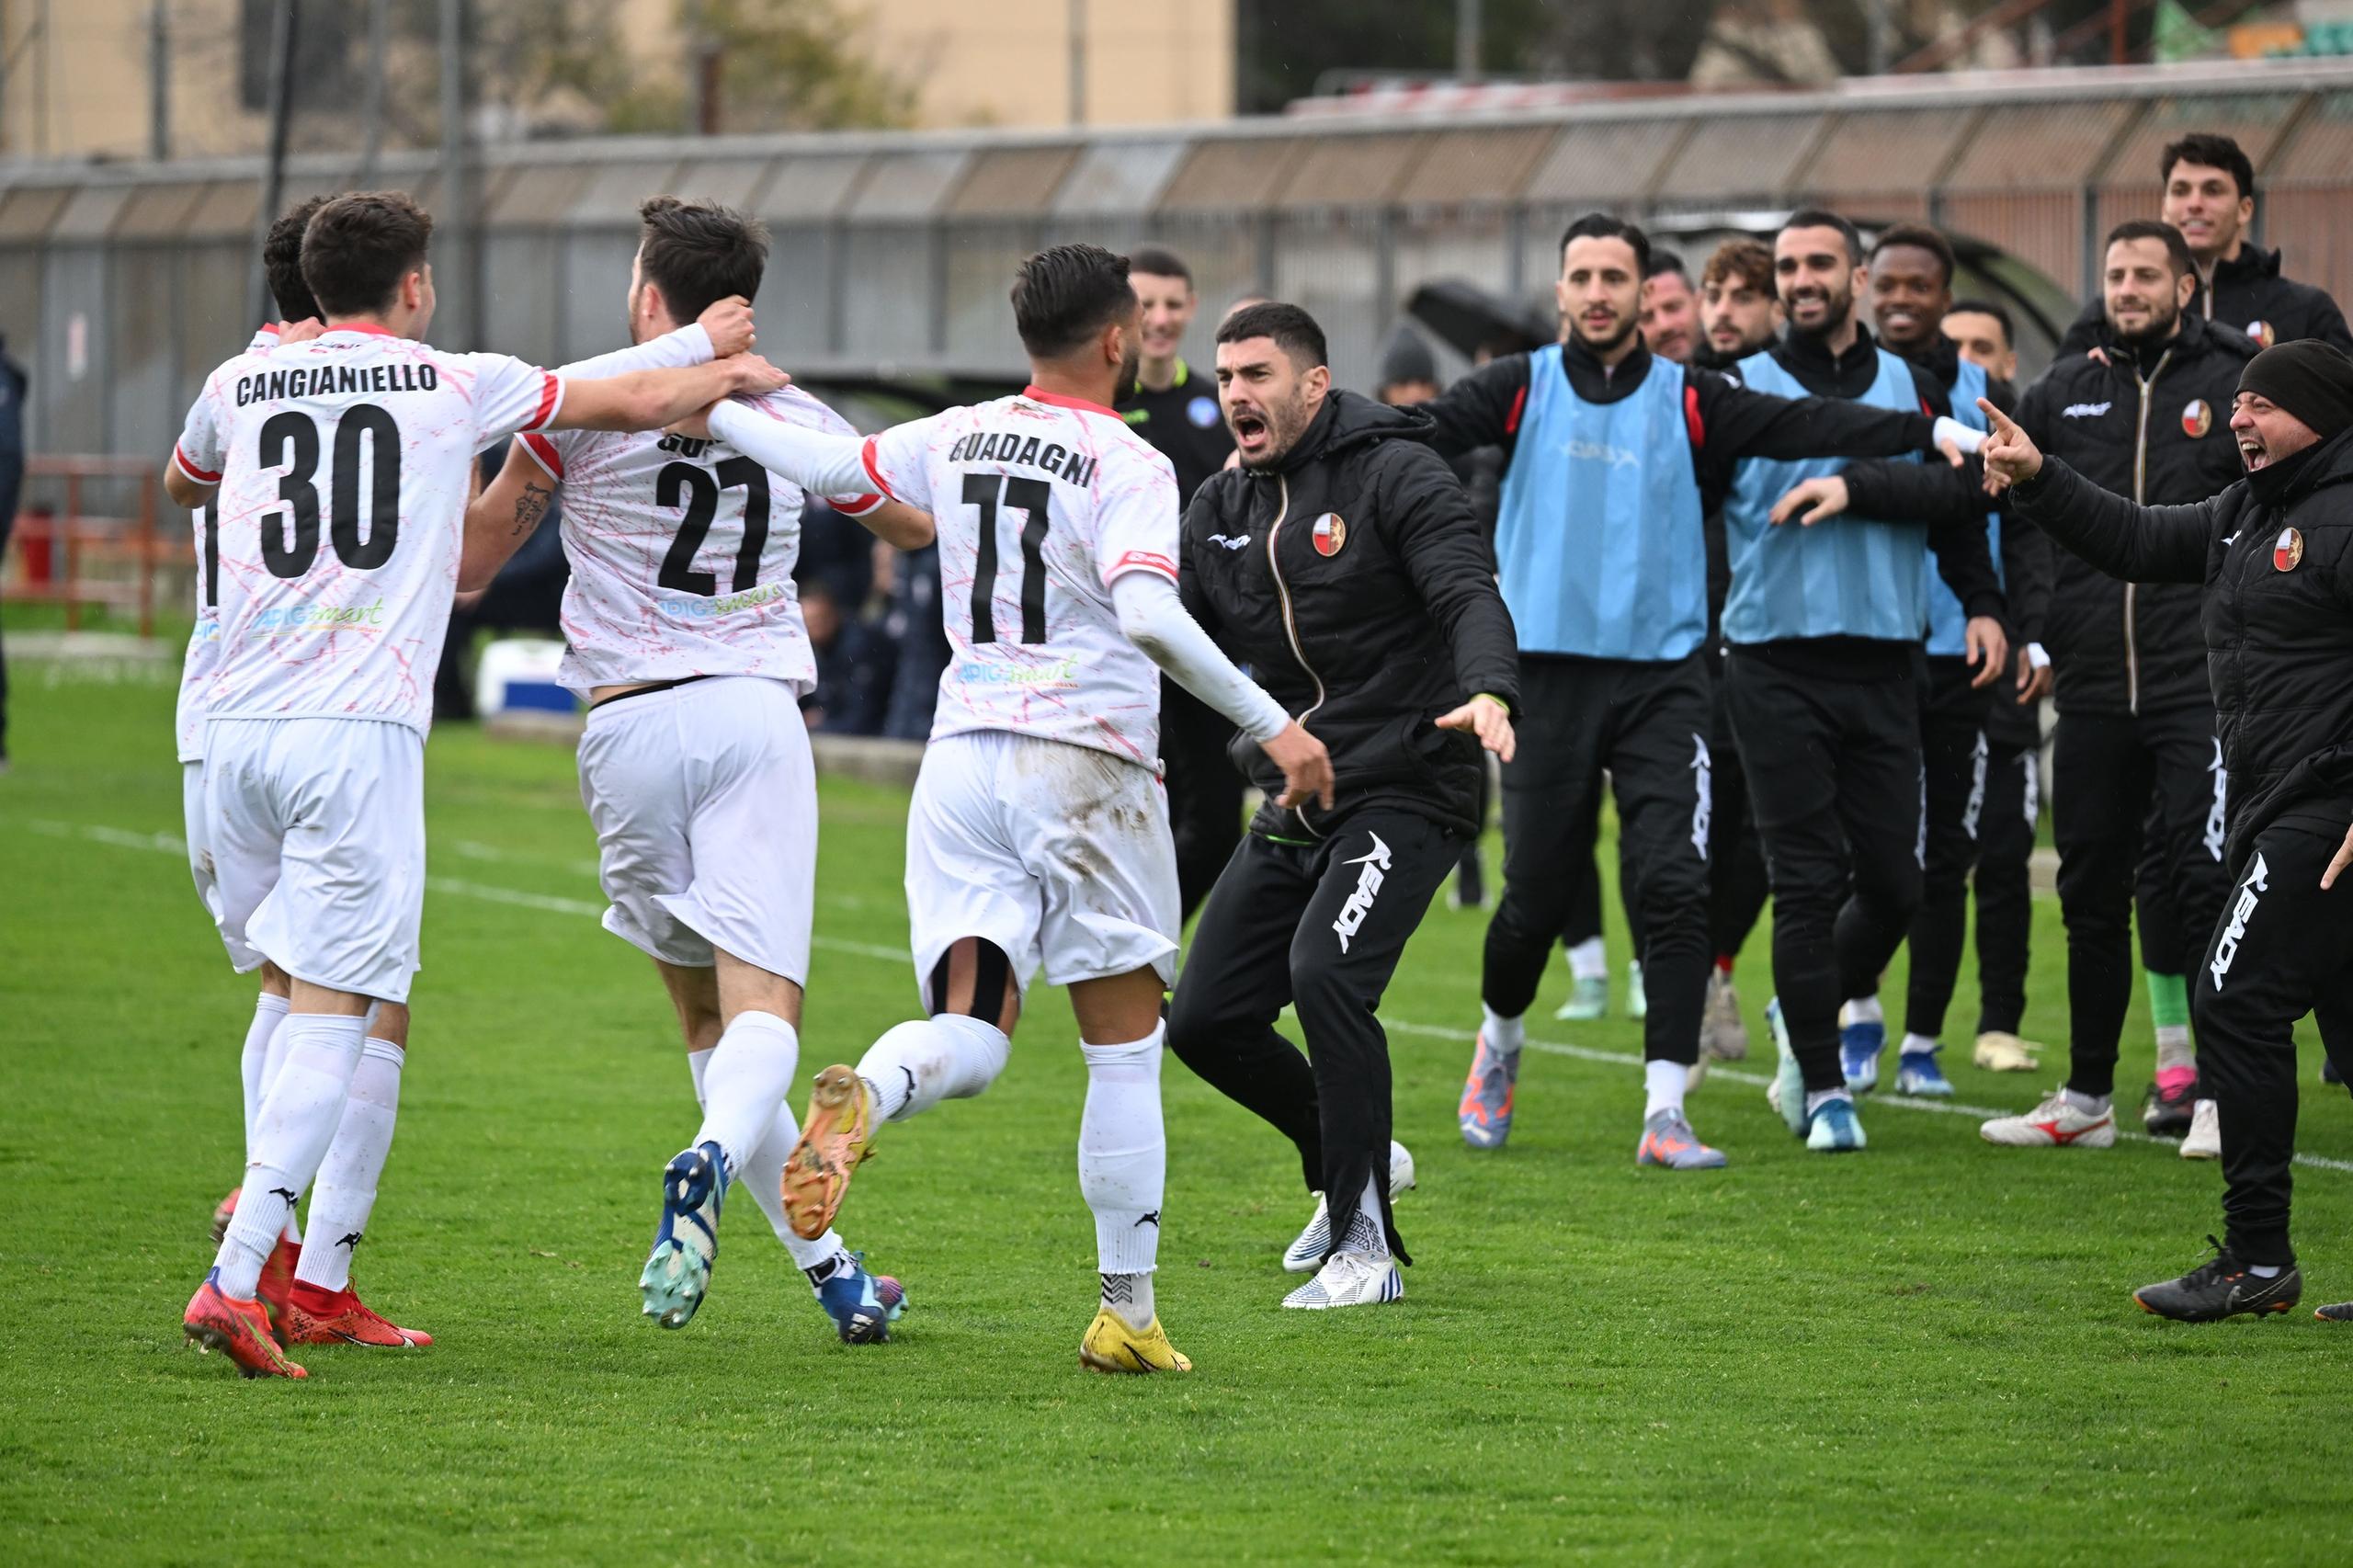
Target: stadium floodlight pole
<point>1078,62</point>
<point>1467,42</point>
<point>371,102</point>
<point>273,179</point>
<point>458,250</point>
<point>159,81</point>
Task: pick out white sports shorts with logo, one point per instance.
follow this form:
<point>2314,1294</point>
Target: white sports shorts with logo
<point>317,837</point>
<point>704,798</point>
<point>1058,854</point>
<point>198,826</point>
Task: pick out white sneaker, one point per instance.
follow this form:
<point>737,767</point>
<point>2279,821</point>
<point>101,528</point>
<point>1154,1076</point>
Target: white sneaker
<point>1350,1280</point>
<point>2054,1124</point>
<point>1723,1034</point>
<point>2204,1138</point>
<point>1302,1256</point>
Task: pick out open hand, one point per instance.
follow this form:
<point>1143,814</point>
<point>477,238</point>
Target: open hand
<point>752,374</point>
<point>1812,501</point>
<point>1987,648</point>
<point>1487,719</point>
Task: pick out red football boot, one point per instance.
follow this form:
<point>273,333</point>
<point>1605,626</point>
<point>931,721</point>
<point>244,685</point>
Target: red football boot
<point>222,1215</point>
<point>316,1316</point>
<point>239,1330</point>
<point>277,1282</point>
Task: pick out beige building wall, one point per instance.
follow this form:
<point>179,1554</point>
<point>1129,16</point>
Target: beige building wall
<point>82,90</point>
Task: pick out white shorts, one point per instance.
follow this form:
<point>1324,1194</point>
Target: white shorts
<point>198,826</point>
<point>704,798</point>
<point>317,837</point>
<point>1058,854</point>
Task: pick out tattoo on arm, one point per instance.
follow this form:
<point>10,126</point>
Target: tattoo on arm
<point>531,506</point>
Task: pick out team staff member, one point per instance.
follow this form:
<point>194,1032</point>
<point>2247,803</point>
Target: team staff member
<point>1670,310</point>
<point>2209,197</point>
<point>2136,716</point>
<point>1175,408</point>
<point>1342,564</point>
<point>1981,332</point>
<point>1613,458</point>
<point>2274,552</point>
<point>1911,289</point>
<point>1823,675</point>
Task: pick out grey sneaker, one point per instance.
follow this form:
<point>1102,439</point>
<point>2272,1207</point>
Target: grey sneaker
<point>1667,1139</point>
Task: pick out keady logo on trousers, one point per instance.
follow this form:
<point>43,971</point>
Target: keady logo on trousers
<point>1368,880</point>
<point>2226,946</point>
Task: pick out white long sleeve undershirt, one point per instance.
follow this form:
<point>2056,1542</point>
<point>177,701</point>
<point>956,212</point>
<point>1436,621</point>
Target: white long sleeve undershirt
<point>820,462</point>
<point>1153,617</point>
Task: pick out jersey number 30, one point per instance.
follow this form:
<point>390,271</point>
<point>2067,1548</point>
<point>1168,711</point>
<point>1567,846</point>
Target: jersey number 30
<point>362,541</point>
<point>987,492</point>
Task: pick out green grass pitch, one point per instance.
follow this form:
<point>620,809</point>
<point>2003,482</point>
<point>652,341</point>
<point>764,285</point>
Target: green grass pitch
<point>1924,1354</point>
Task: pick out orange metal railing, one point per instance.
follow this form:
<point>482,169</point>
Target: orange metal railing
<point>65,554</point>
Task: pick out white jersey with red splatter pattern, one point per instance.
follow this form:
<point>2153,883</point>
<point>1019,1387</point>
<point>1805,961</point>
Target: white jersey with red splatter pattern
<point>1041,500</point>
<point>344,465</point>
<point>204,640</point>
<point>682,551</point>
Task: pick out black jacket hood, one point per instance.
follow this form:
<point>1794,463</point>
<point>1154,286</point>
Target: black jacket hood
<point>1349,420</point>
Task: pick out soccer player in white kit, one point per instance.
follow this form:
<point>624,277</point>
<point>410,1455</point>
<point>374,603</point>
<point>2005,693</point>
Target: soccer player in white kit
<point>306,1287</point>
<point>1039,832</point>
<point>341,467</point>
<point>683,630</point>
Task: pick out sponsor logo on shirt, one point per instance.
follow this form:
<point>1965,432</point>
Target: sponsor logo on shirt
<point>703,609</point>
<point>1602,452</point>
<point>2084,410</point>
<point>316,618</point>
<point>1063,672</point>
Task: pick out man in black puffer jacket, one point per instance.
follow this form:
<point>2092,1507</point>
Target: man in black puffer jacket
<point>1343,565</point>
<point>2136,720</point>
<point>2275,554</point>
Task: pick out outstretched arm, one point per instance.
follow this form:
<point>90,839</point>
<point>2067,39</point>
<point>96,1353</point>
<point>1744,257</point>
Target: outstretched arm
<point>2139,544</point>
<point>819,462</point>
<point>648,400</point>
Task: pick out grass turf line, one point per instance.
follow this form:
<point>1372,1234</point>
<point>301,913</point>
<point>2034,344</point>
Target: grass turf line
<point>1924,1353</point>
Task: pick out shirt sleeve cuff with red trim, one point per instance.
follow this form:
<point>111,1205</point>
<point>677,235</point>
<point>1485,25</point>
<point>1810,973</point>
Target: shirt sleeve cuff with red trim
<point>855,506</point>
<point>544,452</point>
<point>866,455</point>
<point>1141,561</point>
<point>180,457</point>
<point>551,399</point>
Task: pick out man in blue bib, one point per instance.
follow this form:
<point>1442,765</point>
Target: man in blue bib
<point>1612,457</point>
<point>1823,670</point>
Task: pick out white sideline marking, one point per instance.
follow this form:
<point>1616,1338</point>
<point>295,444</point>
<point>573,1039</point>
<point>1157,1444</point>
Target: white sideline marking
<point>172,844</point>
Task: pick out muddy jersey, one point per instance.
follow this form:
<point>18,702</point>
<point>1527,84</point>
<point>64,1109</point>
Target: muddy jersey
<point>682,551</point>
<point>1041,502</point>
<point>344,466</point>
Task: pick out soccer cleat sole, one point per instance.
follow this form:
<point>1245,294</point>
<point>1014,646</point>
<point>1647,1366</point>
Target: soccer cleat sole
<point>816,1177</point>
<point>2269,1309</point>
<point>207,1340</point>
<point>672,1285</point>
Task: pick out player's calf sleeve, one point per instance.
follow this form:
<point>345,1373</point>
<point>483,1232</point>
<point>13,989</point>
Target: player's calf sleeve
<point>345,1194</point>
<point>253,1066</point>
<point>1123,1153</point>
<point>919,1064</point>
<point>744,1082</point>
<point>296,1122</point>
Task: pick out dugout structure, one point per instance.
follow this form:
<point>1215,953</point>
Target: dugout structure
<point>120,285</point>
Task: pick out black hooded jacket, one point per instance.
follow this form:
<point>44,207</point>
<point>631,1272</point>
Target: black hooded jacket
<point>2274,557</point>
<point>2249,295</point>
<point>1355,582</point>
<point>2153,427</point>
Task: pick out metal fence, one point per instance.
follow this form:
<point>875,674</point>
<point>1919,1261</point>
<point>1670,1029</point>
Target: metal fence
<point>121,285</point>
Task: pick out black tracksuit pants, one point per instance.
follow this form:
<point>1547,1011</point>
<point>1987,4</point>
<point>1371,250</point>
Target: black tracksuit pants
<point>1320,927</point>
<point>1204,790</point>
<point>2003,883</point>
<point>1833,775</point>
<point>2107,772</point>
<point>1736,886</point>
<point>1647,723</point>
<point>1956,767</point>
<point>2280,947</point>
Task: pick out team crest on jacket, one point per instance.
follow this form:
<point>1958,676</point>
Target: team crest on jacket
<point>2197,418</point>
<point>2260,331</point>
<point>2288,549</point>
<point>1331,534</point>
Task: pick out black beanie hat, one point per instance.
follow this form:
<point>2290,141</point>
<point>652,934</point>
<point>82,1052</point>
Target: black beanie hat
<point>2311,379</point>
<point>1405,357</point>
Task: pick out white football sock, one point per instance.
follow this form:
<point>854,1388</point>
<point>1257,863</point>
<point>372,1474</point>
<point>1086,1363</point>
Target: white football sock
<point>1815,1099</point>
<point>744,1082</point>
<point>346,1193</point>
<point>918,1063</point>
<point>1664,1082</point>
<point>763,1170</point>
<point>1123,1153</point>
<point>1503,1036</point>
<point>1128,1297</point>
<point>296,1122</point>
<point>2090,1105</point>
<point>1916,1045</point>
<point>1590,959</point>
<point>1366,1233</point>
<point>1862,1010</point>
<point>2265,1270</point>
<point>2173,1047</point>
<point>280,1039</point>
<point>254,1064</point>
